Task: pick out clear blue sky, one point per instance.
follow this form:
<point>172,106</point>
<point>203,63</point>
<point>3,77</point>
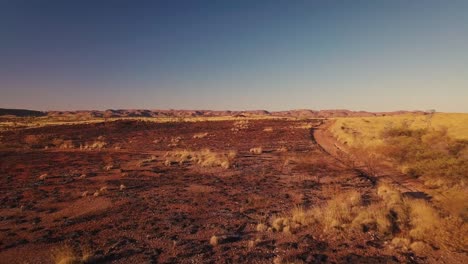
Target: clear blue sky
<point>275,55</point>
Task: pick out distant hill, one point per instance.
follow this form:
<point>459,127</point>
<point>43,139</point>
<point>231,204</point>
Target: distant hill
<point>20,112</point>
<point>300,113</point>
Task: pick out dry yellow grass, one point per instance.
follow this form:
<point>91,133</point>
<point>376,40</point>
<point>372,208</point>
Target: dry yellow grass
<point>203,158</point>
<point>256,151</point>
<point>214,240</point>
<point>365,131</point>
<point>408,223</point>
<point>65,254</point>
<point>200,135</point>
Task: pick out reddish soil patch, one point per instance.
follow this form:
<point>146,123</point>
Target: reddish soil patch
<point>153,213</point>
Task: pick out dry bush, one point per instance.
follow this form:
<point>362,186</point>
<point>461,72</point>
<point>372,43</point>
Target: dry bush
<point>203,158</point>
<point>453,199</point>
<point>404,220</point>
<point>43,176</point>
<point>367,156</point>
<point>214,240</point>
<point>261,227</point>
<point>340,211</point>
<point>65,254</point>
<point>256,150</point>
<point>67,144</point>
<point>97,144</point>
<point>240,125</point>
<point>109,167</point>
<point>200,135</point>
<point>282,149</point>
<point>426,153</point>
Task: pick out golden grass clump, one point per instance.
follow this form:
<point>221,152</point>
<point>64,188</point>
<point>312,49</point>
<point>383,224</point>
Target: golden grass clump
<point>261,227</point>
<point>203,158</point>
<point>63,144</point>
<point>341,210</point>
<point>65,254</point>
<point>374,217</point>
<point>408,223</point>
<point>256,151</point>
<point>214,241</point>
<point>240,125</point>
<point>95,145</point>
<point>282,149</point>
<point>200,135</point>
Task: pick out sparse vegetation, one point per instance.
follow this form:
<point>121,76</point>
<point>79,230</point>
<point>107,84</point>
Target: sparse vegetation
<point>240,125</point>
<point>402,220</point>
<point>203,158</point>
<point>301,204</point>
<point>426,153</point>
<point>97,144</point>
<point>256,151</point>
<point>367,131</point>
<point>65,254</point>
<point>214,240</point>
<point>200,135</point>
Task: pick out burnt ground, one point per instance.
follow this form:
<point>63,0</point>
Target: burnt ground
<point>167,214</point>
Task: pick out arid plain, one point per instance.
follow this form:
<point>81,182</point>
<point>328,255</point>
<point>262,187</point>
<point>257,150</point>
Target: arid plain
<point>233,187</point>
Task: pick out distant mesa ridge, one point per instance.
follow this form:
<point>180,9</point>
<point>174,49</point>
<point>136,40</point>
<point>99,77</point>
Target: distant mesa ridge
<point>21,112</point>
<point>304,113</point>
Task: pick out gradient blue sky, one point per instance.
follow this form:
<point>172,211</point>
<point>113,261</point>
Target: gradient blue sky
<point>275,55</point>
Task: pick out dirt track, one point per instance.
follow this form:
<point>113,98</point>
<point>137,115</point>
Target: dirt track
<point>167,214</point>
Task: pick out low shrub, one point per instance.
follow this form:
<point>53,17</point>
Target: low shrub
<point>203,158</point>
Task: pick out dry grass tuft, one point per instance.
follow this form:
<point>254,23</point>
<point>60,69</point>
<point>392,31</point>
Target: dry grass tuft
<point>405,221</point>
<point>95,145</point>
<point>214,241</point>
<point>203,158</point>
<point>256,151</point>
<point>261,227</point>
<point>67,255</point>
<point>200,135</point>
<point>240,125</point>
<point>282,149</point>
